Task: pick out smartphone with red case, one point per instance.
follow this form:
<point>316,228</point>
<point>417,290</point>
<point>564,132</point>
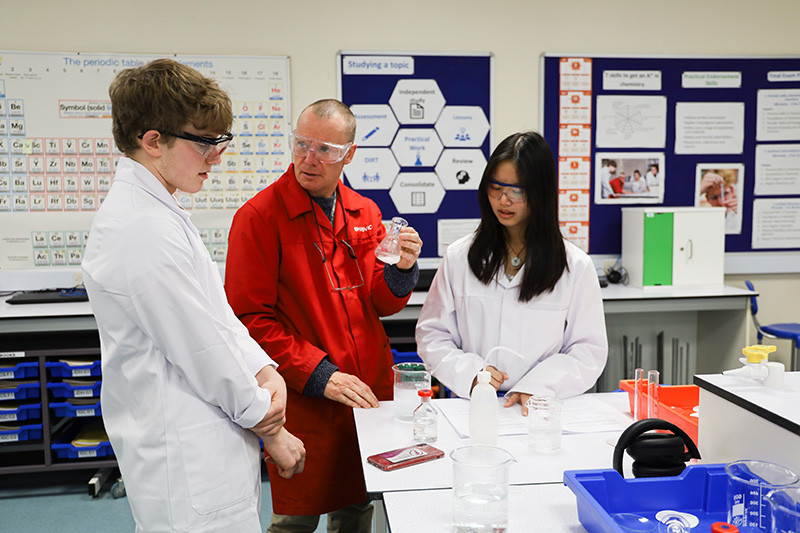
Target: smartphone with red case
<point>402,457</point>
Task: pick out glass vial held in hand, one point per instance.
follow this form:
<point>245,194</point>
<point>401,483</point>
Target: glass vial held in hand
<point>425,418</point>
<point>484,412</point>
<point>388,250</point>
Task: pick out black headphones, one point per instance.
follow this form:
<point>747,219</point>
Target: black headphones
<point>617,274</point>
<point>654,454</point>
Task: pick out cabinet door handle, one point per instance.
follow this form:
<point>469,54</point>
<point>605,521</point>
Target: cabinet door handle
<point>691,248</point>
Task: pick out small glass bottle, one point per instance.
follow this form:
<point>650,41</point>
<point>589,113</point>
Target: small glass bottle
<point>425,418</point>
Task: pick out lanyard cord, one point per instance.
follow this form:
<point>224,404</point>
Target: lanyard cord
<point>319,231</point>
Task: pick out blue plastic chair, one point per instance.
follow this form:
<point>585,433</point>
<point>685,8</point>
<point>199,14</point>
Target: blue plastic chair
<point>787,330</point>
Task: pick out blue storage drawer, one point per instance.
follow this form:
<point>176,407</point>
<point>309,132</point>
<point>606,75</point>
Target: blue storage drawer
<point>22,412</point>
<point>63,370</point>
<point>67,409</point>
<point>20,371</point>
<point>67,450</point>
<point>23,391</point>
<point>699,490</point>
<point>65,390</point>
<point>22,433</point>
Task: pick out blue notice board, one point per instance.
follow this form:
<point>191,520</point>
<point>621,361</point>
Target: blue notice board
<point>746,110</point>
<point>423,136</point>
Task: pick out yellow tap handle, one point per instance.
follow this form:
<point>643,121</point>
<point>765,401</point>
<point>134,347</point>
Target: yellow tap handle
<point>758,352</point>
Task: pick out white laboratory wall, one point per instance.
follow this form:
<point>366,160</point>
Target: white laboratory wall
<point>515,31</point>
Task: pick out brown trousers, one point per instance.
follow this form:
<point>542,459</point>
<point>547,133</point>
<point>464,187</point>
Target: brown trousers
<point>351,519</point>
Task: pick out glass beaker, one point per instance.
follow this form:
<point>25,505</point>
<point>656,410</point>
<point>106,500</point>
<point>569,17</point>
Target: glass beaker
<point>388,250</point>
<point>409,378</point>
<point>784,507</point>
<point>480,489</point>
<point>748,485</point>
<point>544,423</point>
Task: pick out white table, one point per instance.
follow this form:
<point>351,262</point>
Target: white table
<point>379,432</point>
<point>742,419</point>
<point>550,507</point>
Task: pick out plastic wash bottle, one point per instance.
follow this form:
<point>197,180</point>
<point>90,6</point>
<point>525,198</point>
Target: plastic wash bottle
<point>483,411</point>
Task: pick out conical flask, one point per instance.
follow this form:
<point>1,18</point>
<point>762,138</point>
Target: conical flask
<point>388,250</point>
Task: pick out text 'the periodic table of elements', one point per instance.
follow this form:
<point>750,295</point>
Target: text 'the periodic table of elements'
<point>57,153</point>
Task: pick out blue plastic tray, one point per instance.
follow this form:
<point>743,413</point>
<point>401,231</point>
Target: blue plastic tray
<point>22,391</point>
<point>29,432</point>
<point>64,370</point>
<point>22,412</point>
<point>65,390</point>
<point>67,450</point>
<point>405,357</point>
<point>20,371</point>
<point>70,410</point>
<point>699,490</point>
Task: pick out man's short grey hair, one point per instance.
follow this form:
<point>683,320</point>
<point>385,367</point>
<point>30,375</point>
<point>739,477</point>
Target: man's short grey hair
<point>330,107</point>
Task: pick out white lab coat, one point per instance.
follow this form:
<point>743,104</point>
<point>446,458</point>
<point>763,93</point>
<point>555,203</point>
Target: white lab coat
<point>178,366</point>
<point>560,335</point>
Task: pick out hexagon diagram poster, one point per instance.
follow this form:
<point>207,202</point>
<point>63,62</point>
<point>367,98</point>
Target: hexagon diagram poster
<point>424,124</point>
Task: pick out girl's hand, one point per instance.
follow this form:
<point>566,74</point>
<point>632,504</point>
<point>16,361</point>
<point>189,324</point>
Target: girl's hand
<point>518,397</point>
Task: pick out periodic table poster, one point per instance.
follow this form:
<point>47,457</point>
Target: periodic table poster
<point>57,153</point>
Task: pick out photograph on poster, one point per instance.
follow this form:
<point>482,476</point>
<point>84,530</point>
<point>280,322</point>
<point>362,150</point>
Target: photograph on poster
<point>629,178</point>
<point>720,185</point>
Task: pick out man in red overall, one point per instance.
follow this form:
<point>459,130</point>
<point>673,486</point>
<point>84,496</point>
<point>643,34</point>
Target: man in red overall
<point>302,276</point>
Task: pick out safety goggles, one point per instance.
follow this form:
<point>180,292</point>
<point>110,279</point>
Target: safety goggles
<point>327,153</point>
<point>335,285</point>
<point>205,146</point>
<point>515,193</point>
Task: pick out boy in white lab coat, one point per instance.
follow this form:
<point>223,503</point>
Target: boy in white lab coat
<point>183,382</point>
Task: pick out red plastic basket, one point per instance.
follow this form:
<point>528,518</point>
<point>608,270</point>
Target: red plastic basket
<point>676,403</point>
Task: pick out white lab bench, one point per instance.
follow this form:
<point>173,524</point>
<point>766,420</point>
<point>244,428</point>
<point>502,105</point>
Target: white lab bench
<point>741,419</point>
<point>379,432</point>
<point>549,507</point>
<point>45,318</point>
<point>418,498</point>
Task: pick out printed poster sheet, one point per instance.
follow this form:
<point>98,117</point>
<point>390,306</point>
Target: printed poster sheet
<point>631,121</point>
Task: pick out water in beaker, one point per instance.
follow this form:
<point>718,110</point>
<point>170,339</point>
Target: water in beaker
<point>388,250</point>
<point>480,489</point>
<point>409,379</point>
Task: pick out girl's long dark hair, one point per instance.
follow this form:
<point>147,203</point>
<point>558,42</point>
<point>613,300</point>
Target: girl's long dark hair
<point>546,255</point>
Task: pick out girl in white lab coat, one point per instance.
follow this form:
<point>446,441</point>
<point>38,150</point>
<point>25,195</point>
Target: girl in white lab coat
<point>514,294</point>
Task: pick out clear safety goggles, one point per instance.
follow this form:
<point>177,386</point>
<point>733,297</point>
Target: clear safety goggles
<point>515,193</point>
<point>208,147</point>
<point>327,153</point>
<point>205,146</point>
